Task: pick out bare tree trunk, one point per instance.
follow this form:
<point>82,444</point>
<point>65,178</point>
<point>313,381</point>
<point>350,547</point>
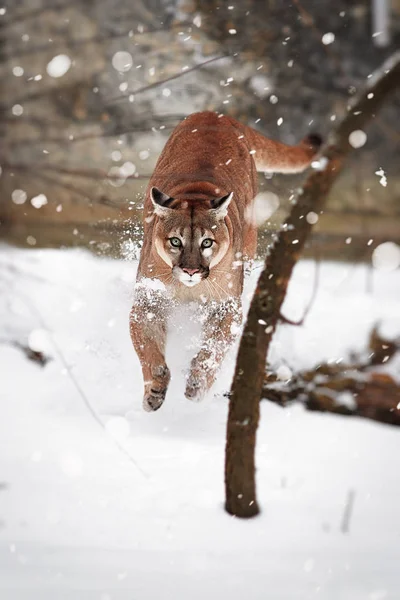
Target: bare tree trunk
<point>265,307</point>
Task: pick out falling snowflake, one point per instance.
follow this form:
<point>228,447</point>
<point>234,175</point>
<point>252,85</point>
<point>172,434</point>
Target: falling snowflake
<point>261,85</point>
<point>383,179</point>
<point>265,204</point>
<point>320,164</point>
<point>19,196</point>
<point>122,61</point>
<point>386,257</point>
<point>127,169</point>
<point>39,201</point>
<point>312,218</point>
<point>357,138</point>
<point>116,155</point>
<point>284,373</point>
<point>130,250</point>
<point>116,177</point>
<point>18,71</point>
<point>58,65</point>
<point>17,110</point>
<point>328,38</point>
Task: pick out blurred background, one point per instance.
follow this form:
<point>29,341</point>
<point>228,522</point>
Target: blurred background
<point>91,89</point>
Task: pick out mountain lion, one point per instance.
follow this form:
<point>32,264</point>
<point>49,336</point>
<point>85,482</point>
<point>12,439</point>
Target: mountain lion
<point>199,228</point>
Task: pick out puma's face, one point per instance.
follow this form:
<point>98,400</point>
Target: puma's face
<point>190,238</point>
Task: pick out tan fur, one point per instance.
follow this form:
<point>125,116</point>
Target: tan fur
<point>207,157</point>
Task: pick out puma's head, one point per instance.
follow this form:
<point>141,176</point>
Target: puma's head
<point>191,236</point>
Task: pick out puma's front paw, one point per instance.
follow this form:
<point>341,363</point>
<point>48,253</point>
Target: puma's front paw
<point>153,399</point>
<point>156,388</point>
<point>196,388</point>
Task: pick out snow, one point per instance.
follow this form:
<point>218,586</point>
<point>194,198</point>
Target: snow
<point>39,201</point>
<point>312,217</point>
<point>265,205</point>
<point>383,179</point>
<point>197,20</point>
<point>18,71</point>
<point>284,373</point>
<point>17,110</point>
<point>117,177</point>
<point>320,164</point>
<point>59,65</point>
<point>144,154</point>
<point>116,155</point>
<point>386,256</point>
<point>128,169</point>
<point>328,38</point>
<point>122,61</point>
<point>19,196</point>
<point>357,138</point>
<point>133,509</point>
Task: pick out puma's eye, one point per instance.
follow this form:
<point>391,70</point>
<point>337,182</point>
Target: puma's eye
<point>207,243</point>
<point>175,242</point>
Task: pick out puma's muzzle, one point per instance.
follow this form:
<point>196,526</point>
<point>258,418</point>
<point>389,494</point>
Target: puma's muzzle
<point>190,277</point>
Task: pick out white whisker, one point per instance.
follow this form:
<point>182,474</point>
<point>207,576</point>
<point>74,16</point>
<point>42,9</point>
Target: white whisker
<point>220,287</point>
<point>214,287</point>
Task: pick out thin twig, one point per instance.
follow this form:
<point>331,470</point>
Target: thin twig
<point>312,298</point>
<point>46,91</point>
<point>73,139</point>
<point>150,86</point>
<point>348,511</point>
<point>35,356</point>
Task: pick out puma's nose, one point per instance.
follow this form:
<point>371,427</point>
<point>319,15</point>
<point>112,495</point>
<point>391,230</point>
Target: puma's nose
<point>191,271</point>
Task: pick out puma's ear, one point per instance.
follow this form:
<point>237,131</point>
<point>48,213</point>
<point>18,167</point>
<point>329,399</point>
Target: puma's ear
<point>220,205</point>
<point>160,202</point>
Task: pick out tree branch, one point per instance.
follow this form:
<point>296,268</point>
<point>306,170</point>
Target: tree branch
<point>352,389</point>
<point>37,12</point>
<point>265,307</point>
<point>71,44</point>
<point>155,84</point>
<point>93,174</point>
<point>51,90</point>
<point>115,131</point>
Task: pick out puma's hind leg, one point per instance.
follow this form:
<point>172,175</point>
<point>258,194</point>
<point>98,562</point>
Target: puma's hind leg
<point>148,333</point>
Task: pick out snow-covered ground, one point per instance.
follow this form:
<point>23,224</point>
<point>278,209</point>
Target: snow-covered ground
<point>134,510</point>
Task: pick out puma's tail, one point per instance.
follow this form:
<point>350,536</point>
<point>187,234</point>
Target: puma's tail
<point>280,158</point>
